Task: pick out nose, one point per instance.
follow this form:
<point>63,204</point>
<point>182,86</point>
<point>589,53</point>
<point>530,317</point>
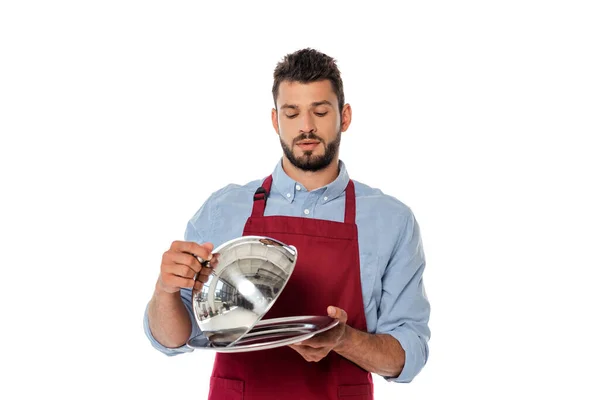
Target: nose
<point>307,124</point>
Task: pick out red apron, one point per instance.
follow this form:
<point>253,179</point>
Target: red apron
<point>327,273</point>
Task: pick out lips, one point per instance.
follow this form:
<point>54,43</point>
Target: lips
<point>308,144</point>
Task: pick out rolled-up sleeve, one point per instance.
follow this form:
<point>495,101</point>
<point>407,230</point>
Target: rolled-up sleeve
<point>201,218</point>
<point>404,309</point>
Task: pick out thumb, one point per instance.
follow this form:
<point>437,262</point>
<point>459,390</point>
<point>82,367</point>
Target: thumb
<point>209,247</point>
<point>337,313</point>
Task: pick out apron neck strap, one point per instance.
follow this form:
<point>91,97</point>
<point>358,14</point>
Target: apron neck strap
<point>350,213</point>
<point>260,197</point>
<point>262,193</point>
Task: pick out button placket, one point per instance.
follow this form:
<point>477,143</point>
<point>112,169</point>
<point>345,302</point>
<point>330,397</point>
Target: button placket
<point>310,204</point>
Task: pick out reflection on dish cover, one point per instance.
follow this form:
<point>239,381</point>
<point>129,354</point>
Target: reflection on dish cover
<point>246,280</point>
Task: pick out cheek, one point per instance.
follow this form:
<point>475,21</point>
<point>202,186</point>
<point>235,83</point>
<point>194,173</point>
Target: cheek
<point>328,124</point>
<point>287,126</point>
<point>287,133</point>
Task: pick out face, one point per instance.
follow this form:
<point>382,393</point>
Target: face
<point>309,123</point>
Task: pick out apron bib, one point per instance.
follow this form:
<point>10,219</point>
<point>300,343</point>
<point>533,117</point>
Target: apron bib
<point>327,272</point>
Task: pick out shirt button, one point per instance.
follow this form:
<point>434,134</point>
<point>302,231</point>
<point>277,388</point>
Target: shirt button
<point>325,198</point>
<point>298,187</point>
<point>288,195</point>
<point>306,211</point>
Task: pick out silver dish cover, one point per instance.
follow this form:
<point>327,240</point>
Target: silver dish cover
<point>249,273</point>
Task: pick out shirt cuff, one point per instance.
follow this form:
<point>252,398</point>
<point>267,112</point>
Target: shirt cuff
<point>165,350</point>
<point>416,354</point>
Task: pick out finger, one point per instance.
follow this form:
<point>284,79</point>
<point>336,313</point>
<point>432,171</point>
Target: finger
<point>206,271</point>
<point>337,313</point>
<point>309,344</point>
<point>297,346</point>
<point>203,250</point>
<point>300,350</point>
<point>178,281</point>
<point>310,354</point>
<point>317,342</point>
<point>184,259</point>
<point>208,268</point>
<point>179,270</point>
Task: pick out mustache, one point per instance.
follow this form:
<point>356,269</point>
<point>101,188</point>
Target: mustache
<point>307,136</point>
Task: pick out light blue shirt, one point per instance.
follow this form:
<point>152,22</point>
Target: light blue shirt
<point>391,252</point>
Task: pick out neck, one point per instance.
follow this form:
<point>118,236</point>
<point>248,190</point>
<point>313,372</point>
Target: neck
<point>312,180</point>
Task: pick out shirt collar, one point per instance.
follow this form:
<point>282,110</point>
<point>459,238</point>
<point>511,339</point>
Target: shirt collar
<point>287,187</point>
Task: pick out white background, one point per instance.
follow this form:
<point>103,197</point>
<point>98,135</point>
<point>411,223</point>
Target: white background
<point>119,118</point>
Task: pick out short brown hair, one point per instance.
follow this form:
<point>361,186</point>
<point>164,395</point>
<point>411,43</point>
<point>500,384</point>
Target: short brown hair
<point>305,66</point>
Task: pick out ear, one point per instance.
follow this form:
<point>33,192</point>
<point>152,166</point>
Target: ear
<point>275,121</point>
<point>346,117</point>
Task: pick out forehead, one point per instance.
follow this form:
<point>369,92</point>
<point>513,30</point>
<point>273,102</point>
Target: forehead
<point>305,93</point>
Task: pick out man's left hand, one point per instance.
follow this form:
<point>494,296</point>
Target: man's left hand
<point>317,347</point>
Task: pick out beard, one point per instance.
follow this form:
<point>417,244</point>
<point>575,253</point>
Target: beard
<point>308,161</point>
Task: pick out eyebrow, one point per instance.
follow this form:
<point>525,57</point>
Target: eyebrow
<point>314,104</point>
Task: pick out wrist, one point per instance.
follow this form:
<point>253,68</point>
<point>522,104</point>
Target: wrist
<point>346,341</point>
<point>162,292</point>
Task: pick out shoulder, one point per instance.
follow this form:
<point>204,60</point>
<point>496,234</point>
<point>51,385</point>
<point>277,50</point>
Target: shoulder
<point>231,195</point>
<point>222,215</point>
<point>375,201</point>
<point>386,220</point>
<point>235,192</point>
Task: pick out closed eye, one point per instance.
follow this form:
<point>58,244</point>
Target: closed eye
<point>321,114</point>
<point>292,116</point>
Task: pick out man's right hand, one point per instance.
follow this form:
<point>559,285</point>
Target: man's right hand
<point>179,265</point>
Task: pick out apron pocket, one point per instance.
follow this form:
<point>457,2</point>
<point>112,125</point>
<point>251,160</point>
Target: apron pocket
<point>226,389</point>
<point>355,392</point>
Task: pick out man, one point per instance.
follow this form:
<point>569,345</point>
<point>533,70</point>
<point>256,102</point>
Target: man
<point>360,248</point>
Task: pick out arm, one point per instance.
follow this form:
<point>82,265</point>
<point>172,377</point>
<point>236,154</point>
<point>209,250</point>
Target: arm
<point>398,350</point>
<point>169,324</point>
<point>381,354</point>
<point>168,320</point>
<point>378,353</point>
<point>185,298</point>
<point>404,309</point>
